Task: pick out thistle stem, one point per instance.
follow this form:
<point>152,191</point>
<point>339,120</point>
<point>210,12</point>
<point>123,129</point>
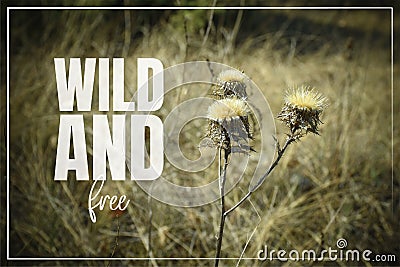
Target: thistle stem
<point>222,179</point>
<point>289,140</point>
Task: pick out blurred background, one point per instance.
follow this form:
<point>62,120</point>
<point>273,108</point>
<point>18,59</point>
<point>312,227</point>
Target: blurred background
<point>337,185</point>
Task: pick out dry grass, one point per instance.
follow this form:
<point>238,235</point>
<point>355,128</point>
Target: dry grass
<point>328,187</point>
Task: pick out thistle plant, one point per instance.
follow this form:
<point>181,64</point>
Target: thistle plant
<point>230,83</point>
<point>301,111</point>
<point>229,128</point>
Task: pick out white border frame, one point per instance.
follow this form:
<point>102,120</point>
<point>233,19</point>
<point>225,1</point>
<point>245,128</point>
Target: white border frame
<point>163,8</point>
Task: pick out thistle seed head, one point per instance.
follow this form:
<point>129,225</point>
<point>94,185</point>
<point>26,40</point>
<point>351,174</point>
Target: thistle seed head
<point>228,125</point>
<point>230,83</point>
<point>301,111</point>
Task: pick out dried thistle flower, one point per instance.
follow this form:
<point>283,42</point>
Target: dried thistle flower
<point>230,83</point>
<point>301,110</point>
<point>228,125</point>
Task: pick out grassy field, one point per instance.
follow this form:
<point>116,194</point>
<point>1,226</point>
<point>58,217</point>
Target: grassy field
<point>337,185</point>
